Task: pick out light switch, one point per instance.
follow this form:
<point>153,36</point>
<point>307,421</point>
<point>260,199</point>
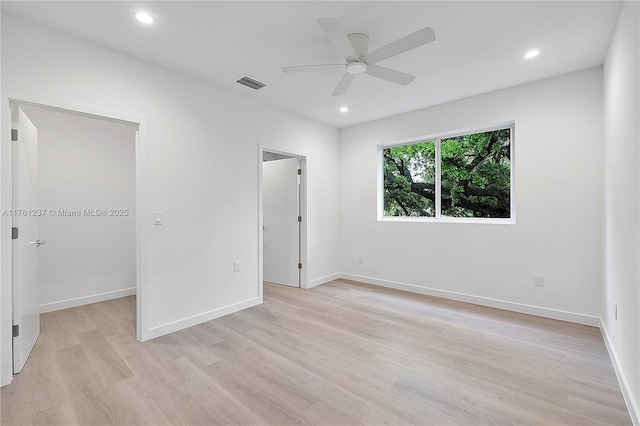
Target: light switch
<point>157,218</point>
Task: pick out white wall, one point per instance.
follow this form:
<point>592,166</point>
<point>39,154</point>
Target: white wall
<point>622,202</point>
<point>85,163</point>
<point>558,190</point>
<point>203,169</point>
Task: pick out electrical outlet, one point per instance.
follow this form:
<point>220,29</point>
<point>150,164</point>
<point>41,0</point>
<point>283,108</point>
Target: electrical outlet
<point>236,266</point>
<point>615,311</point>
<point>360,259</point>
<point>538,280</point>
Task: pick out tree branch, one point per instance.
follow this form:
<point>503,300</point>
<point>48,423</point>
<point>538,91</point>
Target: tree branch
<point>481,158</point>
<point>426,190</point>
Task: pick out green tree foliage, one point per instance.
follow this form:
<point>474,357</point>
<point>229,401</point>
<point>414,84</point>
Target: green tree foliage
<point>475,177</point>
<point>409,180</point>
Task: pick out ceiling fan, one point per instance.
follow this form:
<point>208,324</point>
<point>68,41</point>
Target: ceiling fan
<point>355,49</point>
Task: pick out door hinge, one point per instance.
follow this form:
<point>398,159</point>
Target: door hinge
<point>15,330</point>
<point>299,171</point>
<point>14,135</point>
<point>14,233</point>
<point>299,265</point>
<point>299,218</point>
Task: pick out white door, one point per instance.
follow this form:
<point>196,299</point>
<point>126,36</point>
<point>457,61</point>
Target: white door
<point>281,226</point>
<point>26,285</point>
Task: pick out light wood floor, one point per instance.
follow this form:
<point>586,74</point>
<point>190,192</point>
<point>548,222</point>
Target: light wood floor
<point>339,354</point>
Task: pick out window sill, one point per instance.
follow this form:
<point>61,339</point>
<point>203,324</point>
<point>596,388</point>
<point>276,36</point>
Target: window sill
<point>510,221</point>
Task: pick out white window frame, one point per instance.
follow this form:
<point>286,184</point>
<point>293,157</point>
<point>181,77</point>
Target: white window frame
<point>439,218</point>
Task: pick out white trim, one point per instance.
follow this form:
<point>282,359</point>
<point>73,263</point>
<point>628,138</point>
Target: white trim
<point>44,102</point>
<point>632,406</point>
<point>438,182</point>
<point>142,230</point>
<point>260,225</point>
<point>483,301</point>
<point>446,219</point>
<point>201,318</point>
<point>380,184</point>
<point>85,300</point>
<point>324,280</point>
<point>512,159</point>
<point>449,134</point>
<point>304,212</point>
<point>6,259</point>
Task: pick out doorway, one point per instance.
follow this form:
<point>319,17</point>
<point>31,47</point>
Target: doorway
<point>76,173</point>
<point>283,223</point>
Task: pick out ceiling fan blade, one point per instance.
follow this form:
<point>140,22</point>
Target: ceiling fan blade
<point>304,68</point>
<point>338,37</point>
<point>360,43</point>
<point>344,84</point>
<point>390,75</point>
<point>417,39</point>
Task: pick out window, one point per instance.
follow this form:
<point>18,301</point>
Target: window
<point>458,177</point>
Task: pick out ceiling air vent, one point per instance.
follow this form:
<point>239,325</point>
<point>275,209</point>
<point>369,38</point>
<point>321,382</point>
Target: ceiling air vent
<point>251,83</point>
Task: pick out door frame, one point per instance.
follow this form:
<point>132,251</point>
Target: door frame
<point>303,212</point>
<point>9,98</point>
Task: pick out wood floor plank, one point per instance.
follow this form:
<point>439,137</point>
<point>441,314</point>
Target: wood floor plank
<point>190,347</point>
<point>46,384</point>
<point>76,369</point>
<point>179,407</point>
<point>139,361</point>
<point>60,414</point>
<point>343,353</point>
<point>104,359</point>
<point>267,406</point>
<point>102,316</point>
<point>14,403</point>
<point>220,403</point>
<point>139,407</point>
<point>94,405</point>
<point>209,393</point>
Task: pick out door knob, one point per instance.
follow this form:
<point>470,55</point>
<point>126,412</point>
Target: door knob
<point>38,243</point>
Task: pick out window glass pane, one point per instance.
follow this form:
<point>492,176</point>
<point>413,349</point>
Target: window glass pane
<point>476,175</point>
<point>409,180</point>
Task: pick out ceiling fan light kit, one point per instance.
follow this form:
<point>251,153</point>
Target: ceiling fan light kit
<point>355,50</point>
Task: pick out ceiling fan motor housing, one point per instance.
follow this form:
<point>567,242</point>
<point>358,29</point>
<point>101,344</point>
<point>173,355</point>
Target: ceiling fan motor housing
<point>357,67</point>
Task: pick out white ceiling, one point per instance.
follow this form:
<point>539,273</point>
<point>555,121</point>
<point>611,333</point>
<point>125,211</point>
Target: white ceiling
<point>479,45</point>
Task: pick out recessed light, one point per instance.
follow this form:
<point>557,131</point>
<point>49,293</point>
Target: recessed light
<point>144,17</point>
<point>344,109</point>
<point>531,54</point>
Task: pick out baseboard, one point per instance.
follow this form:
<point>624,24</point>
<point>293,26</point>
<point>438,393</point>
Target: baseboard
<point>171,327</point>
<point>632,406</point>
<point>323,280</point>
<point>85,300</point>
<point>479,300</point>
